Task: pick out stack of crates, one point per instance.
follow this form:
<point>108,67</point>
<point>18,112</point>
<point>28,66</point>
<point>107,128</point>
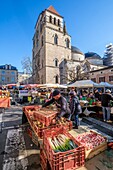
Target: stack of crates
<point>68,160</point>
<point>40,131</point>
<point>45,116</point>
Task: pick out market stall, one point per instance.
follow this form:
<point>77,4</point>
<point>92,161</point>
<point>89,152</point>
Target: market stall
<point>4,103</point>
<point>60,148</point>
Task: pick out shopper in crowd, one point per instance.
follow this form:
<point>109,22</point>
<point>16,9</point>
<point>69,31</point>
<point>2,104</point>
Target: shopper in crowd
<point>75,109</point>
<point>105,99</point>
<point>61,104</point>
<point>97,95</point>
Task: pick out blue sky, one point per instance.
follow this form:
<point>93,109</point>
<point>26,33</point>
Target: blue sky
<point>89,22</point>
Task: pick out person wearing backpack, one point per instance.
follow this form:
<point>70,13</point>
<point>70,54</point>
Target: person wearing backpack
<point>75,108</point>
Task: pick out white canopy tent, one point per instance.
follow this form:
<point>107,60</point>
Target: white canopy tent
<point>84,84</point>
<point>54,86</point>
<point>106,84</point>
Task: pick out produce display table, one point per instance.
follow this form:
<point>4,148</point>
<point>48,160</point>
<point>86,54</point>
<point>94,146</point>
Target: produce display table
<point>94,108</point>
<point>4,102</point>
<point>94,143</point>
<point>40,120</point>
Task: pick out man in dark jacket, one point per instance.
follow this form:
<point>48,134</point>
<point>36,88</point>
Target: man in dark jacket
<point>61,104</point>
<point>75,108</point>
<point>105,99</point>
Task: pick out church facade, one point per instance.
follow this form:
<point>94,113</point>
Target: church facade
<point>54,59</point>
<point>51,45</point>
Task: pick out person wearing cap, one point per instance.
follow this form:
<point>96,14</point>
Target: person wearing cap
<point>105,100</point>
<point>75,108</point>
<point>60,102</point>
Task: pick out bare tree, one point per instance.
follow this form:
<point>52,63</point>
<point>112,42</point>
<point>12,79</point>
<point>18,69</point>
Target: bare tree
<point>76,73</point>
<point>27,65</point>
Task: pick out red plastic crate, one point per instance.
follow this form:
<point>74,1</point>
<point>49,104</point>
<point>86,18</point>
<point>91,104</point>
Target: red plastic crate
<point>32,108</point>
<point>68,160</point>
<point>39,131</point>
<point>29,131</point>
<point>43,160</point>
<point>28,110</point>
<point>30,118</point>
<point>45,116</point>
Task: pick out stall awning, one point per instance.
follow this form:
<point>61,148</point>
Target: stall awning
<point>83,84</point>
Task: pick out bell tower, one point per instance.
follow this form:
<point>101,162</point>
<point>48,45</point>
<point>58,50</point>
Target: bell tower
<point>51,45</point>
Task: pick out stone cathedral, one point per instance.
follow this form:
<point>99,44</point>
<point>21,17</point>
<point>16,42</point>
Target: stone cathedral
<point>52,53</point>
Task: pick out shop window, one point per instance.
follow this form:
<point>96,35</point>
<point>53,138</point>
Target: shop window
<point>101,79</point>
<point>12,72</point>
<point>12,79</point>
<point>3,72</point>
<point>3,78</point>
<point>110,78</point>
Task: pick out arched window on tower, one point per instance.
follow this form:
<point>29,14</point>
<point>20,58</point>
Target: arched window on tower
<point>50,19</point>
<point>42,41</point>
<point>37,33</point>
<point>56,39</point>
<point>56,79</point>
<point>37,42</point>
<point>56,62</point>
<point>42,63</point>
<point>67,43</point>
<point>58,22</point>
<point>38,78</point>
<point>42,79</point>
<point>54,20</point>
<point>40,27</point>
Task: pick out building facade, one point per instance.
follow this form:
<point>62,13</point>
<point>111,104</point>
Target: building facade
<point>102,75</point>
<point>24,78</point>
<point>68,66</point>
<point>8,74</point>
<point>51,45</point>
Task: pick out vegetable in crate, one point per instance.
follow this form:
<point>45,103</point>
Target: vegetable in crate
<point>90,140</point>
<point>40,124</point>
<point>61,143</point>
<point>53,121</point>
